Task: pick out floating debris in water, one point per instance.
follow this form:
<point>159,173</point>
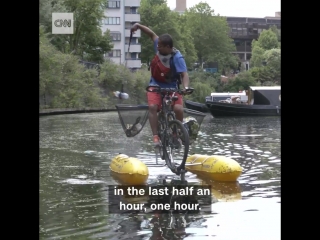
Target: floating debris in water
<point>89,152</point>
<point>80,176</point>
<point>223,135</point>
<point>78,181</point>
<point>275,161</point>
<point>249,135</point>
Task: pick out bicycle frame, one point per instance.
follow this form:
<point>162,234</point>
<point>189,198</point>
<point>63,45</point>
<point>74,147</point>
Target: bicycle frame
<point>166,116</point>
<point>166,109</point>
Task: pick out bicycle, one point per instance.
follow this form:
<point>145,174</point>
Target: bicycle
<point>171,130</point>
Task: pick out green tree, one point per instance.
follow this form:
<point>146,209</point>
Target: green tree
<point>210,36</point>
<point>257,56</point>
<point>112,76</point>
<point>46,8</point>
<point>270,73</point>
<point>159,17</point>
<point>157,2</point>
<point>267,40</point>
<point>88,41</point>
<point>277,32</point>
<point>241,82</point>
<point>272,58</point>
<point>266,58</point>
<point>64,81</point>
<point>186,40</point>
<point>204,83</point>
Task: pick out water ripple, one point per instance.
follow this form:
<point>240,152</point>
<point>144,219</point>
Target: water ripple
<point>75,151</point>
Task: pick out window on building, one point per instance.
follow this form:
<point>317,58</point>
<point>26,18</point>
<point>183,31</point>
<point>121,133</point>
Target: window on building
<point>131,10</point>
<point>241,56</point>
<point>114,53</point>
<point>244,31</point>
<point>240,31</point>
<point>113,4</point>
<point>116,36</point>
<point>134,10</point>
<point>112,21</point>
<point>133,40</point>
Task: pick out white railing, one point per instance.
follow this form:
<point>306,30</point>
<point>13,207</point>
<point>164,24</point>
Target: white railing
<point>132,17</point>
<point>134,47</point>
<point>132,3</point>
<point>136,34</point>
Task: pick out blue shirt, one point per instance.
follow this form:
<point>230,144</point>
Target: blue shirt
<point>179,63</point>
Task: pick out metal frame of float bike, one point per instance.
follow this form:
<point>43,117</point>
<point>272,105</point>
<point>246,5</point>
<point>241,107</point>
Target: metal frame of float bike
<point>165,115</point>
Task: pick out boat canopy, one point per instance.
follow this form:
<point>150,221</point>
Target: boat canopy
<point>268,95</point>
<point>228,94</point>
<point>253,88</point>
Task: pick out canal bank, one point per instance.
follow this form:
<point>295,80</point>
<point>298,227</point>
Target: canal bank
<point>59,111</point>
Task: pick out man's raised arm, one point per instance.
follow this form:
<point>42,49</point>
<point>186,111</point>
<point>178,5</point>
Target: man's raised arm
<point>144,29</point>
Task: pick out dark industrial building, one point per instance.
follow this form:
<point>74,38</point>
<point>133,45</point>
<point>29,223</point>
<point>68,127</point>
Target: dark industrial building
<point>243,30</point>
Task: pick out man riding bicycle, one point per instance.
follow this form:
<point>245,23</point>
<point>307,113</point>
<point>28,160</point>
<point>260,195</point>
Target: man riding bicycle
<point>168,70</point>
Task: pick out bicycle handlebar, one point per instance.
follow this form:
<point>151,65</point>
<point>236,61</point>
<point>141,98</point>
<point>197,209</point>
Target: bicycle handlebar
<point>158,89</point>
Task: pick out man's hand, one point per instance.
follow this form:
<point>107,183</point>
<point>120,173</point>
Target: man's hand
<point>145,30</point>
<point>135,27</point>
<point>188,90</point>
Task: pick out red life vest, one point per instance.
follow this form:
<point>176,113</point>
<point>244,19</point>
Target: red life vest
<point>160,72</point>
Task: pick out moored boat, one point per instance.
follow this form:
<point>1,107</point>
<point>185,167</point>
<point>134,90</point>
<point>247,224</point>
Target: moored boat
<point>262,101</point>
<point>200,107</point>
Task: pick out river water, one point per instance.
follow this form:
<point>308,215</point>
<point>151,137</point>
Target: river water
<point>75,153</point>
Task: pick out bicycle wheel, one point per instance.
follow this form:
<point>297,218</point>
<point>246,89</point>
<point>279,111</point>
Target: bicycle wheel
<point>161,129</point>
<point>161,136</point>
<point>176,135</point>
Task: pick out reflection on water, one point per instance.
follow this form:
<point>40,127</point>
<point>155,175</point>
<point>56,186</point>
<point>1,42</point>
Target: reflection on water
<point>75,153</point>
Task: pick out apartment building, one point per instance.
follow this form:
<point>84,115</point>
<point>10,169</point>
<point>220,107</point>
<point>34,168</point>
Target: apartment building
<point>120,16</point>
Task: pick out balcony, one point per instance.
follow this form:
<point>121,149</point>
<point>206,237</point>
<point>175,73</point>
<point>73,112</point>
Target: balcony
<point>134,47</point>
<point>241,48</point>
<point>133,62</point>
<point>244,35</point>
<point>116,60</point>
<point>132,17</point>
<point>132,3</point>
<point>136,34</point>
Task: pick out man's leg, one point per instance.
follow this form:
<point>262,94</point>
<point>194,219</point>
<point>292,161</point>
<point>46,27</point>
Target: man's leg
<point>154,101</point>
<point>153,118</point>
<point>178,108</point>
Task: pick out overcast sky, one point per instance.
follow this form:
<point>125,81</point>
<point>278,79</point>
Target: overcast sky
<point>238,8</point>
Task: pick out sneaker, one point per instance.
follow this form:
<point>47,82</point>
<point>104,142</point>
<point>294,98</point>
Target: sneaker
<point>156,140</point>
